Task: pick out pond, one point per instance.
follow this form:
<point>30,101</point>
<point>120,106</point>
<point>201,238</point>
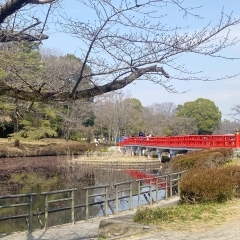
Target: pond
<point>51,174</point>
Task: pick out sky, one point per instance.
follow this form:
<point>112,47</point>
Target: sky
<point>224,93</point>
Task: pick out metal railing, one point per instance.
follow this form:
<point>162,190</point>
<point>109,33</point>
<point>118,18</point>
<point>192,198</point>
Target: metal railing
<point>161,183</point>
<point>169,183</point>
<point>29,204</point>
<point>174,183</point>
<point>117,191</point>
<point>141,186</point>
<point>46,194</point>
<point>95,195</point>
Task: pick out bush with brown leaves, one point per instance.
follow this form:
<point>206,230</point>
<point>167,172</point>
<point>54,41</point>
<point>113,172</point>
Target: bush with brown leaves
<point>217,184</point>
<point>208,158</point>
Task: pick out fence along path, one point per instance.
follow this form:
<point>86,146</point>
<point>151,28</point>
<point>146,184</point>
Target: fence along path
<point>166,183</point>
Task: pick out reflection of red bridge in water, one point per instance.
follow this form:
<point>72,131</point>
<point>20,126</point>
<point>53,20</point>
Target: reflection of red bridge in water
<point>148,178</point>
<point>176,144</point>
<point>168,184</point>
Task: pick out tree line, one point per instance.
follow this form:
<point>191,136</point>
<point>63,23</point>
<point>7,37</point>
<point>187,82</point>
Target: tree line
<point>109,117</point>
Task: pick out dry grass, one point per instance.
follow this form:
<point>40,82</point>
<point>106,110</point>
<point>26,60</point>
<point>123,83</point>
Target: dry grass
<point>224,213</point>
<point>44,141</point>
<point>46,147</point>
<point>111,157</point>
<point>199,218</point>
<point>235,161</point>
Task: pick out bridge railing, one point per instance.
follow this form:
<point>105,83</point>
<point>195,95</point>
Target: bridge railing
<point>188,141</point>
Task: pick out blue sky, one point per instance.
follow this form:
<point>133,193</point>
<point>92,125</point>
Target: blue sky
<point>224,93</point>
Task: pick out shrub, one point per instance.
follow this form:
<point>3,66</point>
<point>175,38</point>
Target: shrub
<point>34,133</point>
<point>234,172</point>
<point>147,215</point>
<point>210,184</point>
<point>209,158</point>
<point>177,214</point>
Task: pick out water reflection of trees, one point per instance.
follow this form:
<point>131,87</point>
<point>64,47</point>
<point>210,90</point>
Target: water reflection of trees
<point>63,176</point>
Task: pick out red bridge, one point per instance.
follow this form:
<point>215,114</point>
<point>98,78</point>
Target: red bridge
<point>178,144</point>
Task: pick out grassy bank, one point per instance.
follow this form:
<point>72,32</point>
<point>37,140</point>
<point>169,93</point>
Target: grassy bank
<point>189,217</point>
<point>46,147</point>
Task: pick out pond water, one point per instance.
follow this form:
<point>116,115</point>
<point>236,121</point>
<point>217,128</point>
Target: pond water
<point>72,176</point>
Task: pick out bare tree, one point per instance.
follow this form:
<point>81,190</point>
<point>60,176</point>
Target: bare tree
<point>157,117</point>
<point>181,126</point>
<point>161,119</point>
<point>60,74</point>
<point>18,22</point>
<point>111,114</point>
<point>236,112</point>
<point>75,112</point>
<point>118,115</point>
<point>231,126</point>
<point>228,127</point>
<point>124,41</point>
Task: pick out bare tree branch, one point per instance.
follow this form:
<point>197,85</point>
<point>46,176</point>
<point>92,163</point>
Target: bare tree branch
<point>11,6</point>
<point>87,93</point>
<point>11,35</point>
<point>122,42</point>
<point>18,37</point>
<point>40,1</point>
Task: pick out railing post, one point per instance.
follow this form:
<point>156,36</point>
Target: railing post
<point>130,193</point>
<point>106,202</point>
<point>166,187</point>
<point>170,181</point>
<point>151,202</point>
<point>46,211</point>
<point>156,187</point>
<point>30,214</point>
<point>87,205</point>
<point>139,189</point>
<point>179,178</point>
<point>116,194</point>
<point>72,207</point>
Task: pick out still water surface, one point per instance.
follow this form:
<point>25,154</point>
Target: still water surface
<point>73,176</point>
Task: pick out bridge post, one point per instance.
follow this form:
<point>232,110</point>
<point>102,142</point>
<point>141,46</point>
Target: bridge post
<point>148,150</point>
<point>129,150</point>
<point>159,153</point>
<point>123,150</point>
<point>133,150</point>
<point>173,153</point>
<point>140,151</point>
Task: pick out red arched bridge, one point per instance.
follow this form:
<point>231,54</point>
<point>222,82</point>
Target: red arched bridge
<point>173,145</point>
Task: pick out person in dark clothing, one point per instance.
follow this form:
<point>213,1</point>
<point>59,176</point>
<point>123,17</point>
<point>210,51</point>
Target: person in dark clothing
<point>141,134</point>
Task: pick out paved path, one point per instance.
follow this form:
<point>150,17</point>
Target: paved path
<point>81,230</point>
<point>89,230</point>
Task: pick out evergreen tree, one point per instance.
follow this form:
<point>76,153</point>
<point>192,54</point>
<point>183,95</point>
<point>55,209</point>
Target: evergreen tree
<point>205,113</point>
